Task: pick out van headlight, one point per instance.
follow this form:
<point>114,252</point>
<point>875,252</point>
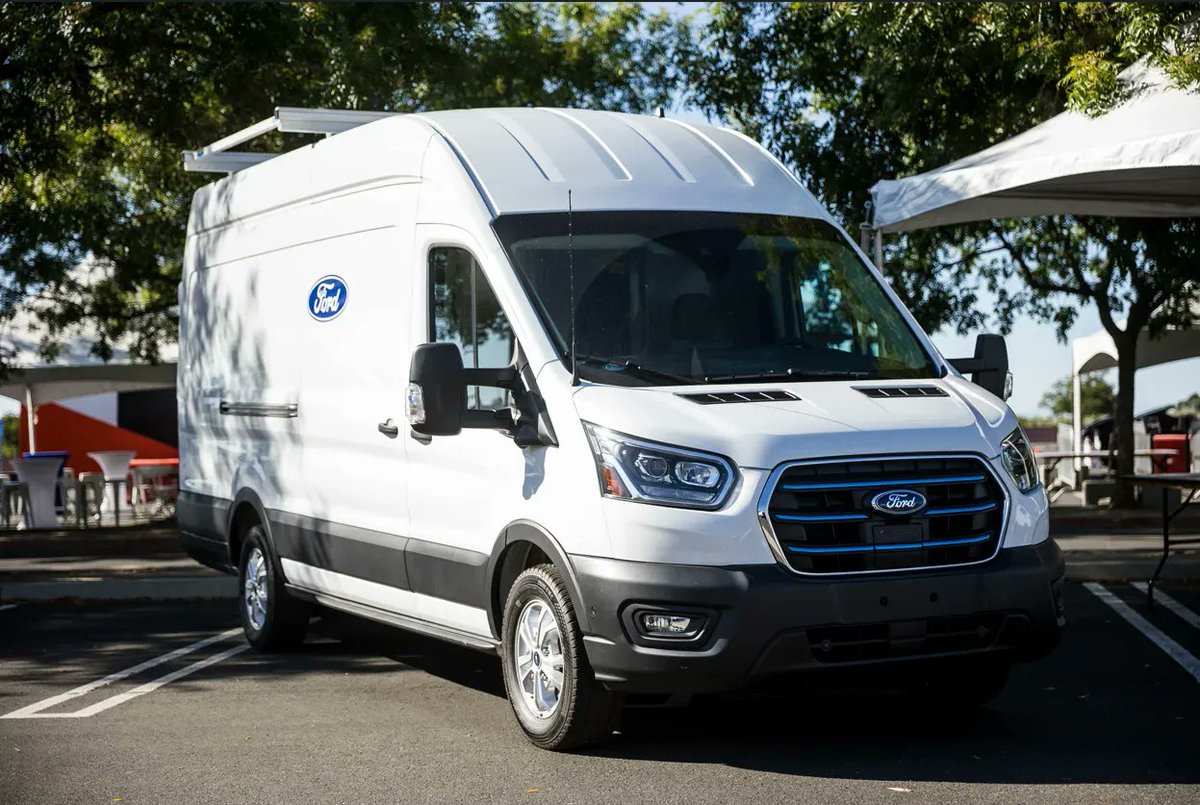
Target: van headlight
<point>1017,457</point>
<point>634,469</point>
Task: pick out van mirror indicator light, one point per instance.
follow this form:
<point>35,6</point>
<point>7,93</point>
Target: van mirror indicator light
<point>415,405</point>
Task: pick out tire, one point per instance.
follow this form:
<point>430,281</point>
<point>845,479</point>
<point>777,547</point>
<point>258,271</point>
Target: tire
<point>554,694</point>
<point>271,619</point>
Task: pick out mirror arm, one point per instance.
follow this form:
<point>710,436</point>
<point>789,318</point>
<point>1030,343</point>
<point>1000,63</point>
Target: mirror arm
<point>966,365</point>
<point>487,420</point>
<point>504,378</point>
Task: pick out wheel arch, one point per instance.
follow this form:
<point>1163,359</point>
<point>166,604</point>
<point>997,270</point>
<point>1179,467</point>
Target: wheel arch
<point>247,509</point>
<point>510,555</point>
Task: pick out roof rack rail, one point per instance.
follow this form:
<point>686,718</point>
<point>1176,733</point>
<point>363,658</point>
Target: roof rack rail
<point>216,158</point>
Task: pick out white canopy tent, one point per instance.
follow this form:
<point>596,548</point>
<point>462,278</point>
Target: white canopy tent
<point>1140,159</point>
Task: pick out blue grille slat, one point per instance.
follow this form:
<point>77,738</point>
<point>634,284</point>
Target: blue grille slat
<point>959,479</point>
<point>983,507</point>
<point>816,549</point>
<point>899,546</point>
<point>822,518</point>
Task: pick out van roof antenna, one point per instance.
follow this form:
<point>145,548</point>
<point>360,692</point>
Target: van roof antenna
<point>571,285</point>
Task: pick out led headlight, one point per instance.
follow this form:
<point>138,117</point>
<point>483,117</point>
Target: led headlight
<point>634,469</point>
<point>1017,457</point>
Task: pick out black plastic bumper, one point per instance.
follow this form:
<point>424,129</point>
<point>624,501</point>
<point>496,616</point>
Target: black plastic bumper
<point>764,621</point>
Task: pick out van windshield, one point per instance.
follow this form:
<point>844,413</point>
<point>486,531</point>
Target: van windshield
<point>666,298</point>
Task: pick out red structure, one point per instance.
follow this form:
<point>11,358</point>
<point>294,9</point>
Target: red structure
<point>60,428</point>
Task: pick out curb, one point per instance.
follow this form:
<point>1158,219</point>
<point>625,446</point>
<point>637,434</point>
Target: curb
<point>114,589</point>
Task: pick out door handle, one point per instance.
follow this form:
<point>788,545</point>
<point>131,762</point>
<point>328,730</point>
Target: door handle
<point>388,429</point>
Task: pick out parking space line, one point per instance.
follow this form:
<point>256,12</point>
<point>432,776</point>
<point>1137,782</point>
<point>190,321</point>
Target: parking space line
<point>1170,603</point>
<point>35,710</point>
<point>121,698</point>
<point>1156,636</point>
<point>7,606</point>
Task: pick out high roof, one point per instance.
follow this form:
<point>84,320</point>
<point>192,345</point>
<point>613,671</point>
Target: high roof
<point>520,160</point>
<point>523,160</point>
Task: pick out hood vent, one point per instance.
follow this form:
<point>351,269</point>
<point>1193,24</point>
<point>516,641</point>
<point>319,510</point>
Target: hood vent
<point>902,391</point>
<point>719,397</point>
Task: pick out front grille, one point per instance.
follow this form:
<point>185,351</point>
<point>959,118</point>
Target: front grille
<point>822,520</point>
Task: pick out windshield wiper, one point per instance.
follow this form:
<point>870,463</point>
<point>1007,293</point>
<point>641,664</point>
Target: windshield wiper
<point>633,368</point>
<point>789,374</point>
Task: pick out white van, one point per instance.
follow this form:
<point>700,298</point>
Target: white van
<point>608,395</point>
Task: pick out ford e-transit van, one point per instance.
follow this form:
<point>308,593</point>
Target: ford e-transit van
<point>611,396</point>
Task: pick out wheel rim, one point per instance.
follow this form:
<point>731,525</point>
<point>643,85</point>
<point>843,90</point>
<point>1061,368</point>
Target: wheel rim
<point>255,587</point>
<point>538,659</point>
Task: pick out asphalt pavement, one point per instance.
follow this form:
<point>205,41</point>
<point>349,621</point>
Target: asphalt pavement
<point>161,702</point>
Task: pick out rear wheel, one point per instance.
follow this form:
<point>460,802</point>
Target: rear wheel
<point>271,619</point>
<point>551,687</point>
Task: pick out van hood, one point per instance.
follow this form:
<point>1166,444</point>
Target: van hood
<point>828,419</point>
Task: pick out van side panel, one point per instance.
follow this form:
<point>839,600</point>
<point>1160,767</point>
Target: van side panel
<point>302,395</point>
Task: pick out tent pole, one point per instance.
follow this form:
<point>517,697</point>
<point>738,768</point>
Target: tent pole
<point>1077,420</point>
<point>29,419</point>
<point>879,249</point>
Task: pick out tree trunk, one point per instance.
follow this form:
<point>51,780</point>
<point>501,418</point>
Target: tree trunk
<point>1123,498</point>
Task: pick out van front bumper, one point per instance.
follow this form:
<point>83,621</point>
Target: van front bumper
<point>763,622</point>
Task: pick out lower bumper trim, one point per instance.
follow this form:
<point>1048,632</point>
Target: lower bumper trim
<point>770,622</point>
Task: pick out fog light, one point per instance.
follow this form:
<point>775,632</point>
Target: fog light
<point>663,624</point>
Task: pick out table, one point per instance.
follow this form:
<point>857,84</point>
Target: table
<point>40,475</point>
<point>114,464</point>
<point>1188,482</point>
<point>152,474</point>
<point>1049,459</point>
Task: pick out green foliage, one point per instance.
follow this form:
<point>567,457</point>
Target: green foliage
<point>1098,398</point>
<point>10,442</point>
<point>97,102</point>
<point>1188,407</point>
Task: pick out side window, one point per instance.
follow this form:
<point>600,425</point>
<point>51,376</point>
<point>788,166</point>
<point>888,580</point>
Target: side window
<point>465,311</point>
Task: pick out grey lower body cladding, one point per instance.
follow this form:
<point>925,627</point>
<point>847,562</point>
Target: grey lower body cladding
<point>453,574</point>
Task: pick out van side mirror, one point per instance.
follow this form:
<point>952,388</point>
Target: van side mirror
<point>437,390</point>
<point>989,367</point>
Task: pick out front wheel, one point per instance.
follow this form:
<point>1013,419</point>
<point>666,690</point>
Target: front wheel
<point>551,687</point>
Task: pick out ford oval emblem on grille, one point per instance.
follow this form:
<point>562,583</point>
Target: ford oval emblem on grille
<point>898,501</point>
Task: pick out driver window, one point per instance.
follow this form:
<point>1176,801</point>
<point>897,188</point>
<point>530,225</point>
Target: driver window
<point>465,311</point>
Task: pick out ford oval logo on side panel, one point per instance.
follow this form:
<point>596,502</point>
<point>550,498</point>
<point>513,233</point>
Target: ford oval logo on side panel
<point>328,297</point>
<point>898,501</point>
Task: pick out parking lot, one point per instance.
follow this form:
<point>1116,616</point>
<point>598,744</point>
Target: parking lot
<point>155,702</point>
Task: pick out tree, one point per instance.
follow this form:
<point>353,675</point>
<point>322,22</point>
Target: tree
<point>1097,394</point>
<point>98,101</point>
<point>851,93</point>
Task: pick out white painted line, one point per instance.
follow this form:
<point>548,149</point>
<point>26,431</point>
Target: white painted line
<point>7,606</point>
<point>1175,651</point>
<point>33,710</point>
<point>1170,603</point>
<point>121,698</point>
